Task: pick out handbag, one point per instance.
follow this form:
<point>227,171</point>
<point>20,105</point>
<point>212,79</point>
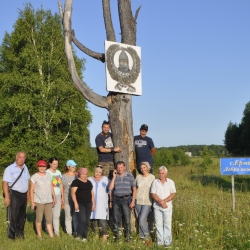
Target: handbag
<point>10,188</point>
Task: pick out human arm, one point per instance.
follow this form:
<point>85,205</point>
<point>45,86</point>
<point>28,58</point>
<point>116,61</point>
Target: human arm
<point>62,194</point>
<point>112,183</point>
<point>93,200</point>
<point>158,200</point>
<point>152,151</point>
<point>31,194</point>
<point>53,195</point>
<point>5,189</point>
<point>73,196</point>
<point>109,150</point>
<point>132,204</point>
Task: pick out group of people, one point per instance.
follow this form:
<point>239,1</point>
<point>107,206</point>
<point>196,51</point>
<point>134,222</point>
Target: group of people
<point>110,192</point>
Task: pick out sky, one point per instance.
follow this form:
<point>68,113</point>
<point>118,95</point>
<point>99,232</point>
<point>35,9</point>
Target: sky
<point>195,64</point>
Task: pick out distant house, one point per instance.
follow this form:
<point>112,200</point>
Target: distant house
<point>188,154</point>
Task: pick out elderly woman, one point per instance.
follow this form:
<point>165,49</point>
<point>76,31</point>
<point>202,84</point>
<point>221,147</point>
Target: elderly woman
<point>42,198</point>
<point>83,197</point>
<point>143,199</point>
<point>101,212</point>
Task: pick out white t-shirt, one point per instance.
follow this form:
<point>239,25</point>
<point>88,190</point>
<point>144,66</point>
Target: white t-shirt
<point>43,188</point>
<point>163,191</point>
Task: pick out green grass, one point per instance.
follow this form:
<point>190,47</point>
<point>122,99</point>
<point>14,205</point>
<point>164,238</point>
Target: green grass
<point>202,216</point>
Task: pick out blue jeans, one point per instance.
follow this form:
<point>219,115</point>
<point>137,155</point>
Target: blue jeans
<point>122,210</point>
<point>163,222</point>
<point>83,219</point>
<point>142,212</point>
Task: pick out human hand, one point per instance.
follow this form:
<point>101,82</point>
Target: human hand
<point>7,201</point>
<point>132,205</point>
<point>117,149</point>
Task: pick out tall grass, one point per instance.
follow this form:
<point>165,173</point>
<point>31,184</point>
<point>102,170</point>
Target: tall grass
<point>202,217</point>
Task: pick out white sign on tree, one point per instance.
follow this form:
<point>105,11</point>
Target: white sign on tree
<point>123,68</point>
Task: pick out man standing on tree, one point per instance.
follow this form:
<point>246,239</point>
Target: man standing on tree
<point>144,148</point>
<point>15,189</point>
<point>106,149</point>
<point>163,192</point>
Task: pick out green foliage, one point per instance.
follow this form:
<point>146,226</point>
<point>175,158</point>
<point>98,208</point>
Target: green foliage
<point>237,137</point>
<point>218,150</point>
<point>206,159</point>
<point>41,112</point>
<point>170,157</point>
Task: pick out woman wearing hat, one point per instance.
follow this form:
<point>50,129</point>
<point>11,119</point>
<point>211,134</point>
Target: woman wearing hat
<point>42,198</point>
<point>69,210</point>
<point>83,197</point>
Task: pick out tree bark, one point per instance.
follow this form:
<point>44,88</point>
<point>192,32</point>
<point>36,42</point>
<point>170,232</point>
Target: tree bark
<point>119,105</point>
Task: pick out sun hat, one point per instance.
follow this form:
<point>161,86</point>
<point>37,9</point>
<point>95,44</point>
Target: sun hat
<point>71,163</point>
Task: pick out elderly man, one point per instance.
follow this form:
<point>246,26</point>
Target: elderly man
<point>163,192</point>
<point>15,189</point>
<point>106,149</point>
<point>124,186</point>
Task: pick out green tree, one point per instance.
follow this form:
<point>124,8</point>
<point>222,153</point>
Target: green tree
<point>41,112</point>
<point>237,137</point>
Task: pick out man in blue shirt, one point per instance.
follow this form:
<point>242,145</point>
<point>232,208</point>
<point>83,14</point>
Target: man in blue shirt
<point>124,187</point>
<point>16,198</point>
<point>144,148</point>
<point>106,149</point>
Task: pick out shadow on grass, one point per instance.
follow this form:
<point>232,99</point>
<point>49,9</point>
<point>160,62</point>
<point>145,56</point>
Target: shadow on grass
<point>241,183</point>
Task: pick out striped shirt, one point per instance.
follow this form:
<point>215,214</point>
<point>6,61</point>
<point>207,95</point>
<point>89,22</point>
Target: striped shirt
<point>124,184</point>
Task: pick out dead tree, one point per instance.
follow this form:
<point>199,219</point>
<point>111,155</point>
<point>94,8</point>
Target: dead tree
<point>119,105</point>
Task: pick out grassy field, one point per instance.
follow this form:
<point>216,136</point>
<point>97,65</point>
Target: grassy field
<point>202,216</point>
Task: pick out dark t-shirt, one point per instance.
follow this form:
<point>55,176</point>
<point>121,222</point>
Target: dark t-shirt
<point>106,142</point>
<point>83,192</point>
<point>143,146</point>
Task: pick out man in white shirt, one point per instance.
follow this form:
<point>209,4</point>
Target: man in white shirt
<point>163,191</point>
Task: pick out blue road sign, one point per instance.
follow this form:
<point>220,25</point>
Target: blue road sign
<point>235,166</point>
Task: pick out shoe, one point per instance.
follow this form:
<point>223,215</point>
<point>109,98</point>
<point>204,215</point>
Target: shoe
<point>147,242</point>
<point>84,240</point>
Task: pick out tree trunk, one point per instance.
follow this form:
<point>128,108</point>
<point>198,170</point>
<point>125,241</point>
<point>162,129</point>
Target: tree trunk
<point>119,105</point>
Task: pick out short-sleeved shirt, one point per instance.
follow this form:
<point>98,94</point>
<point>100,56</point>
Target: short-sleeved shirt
<point>123,184</point>
<point>106,142</point>
<point>56,179</point>
<point>12,172</point>
<point>143,196</point>
<point>143,146</point>
<point>83,192</point>
<point>43,188</point>
<point>163,191</point>
<point>66,182</point>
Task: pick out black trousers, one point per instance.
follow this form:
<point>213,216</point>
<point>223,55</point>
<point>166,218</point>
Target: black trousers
<point>16,215</point>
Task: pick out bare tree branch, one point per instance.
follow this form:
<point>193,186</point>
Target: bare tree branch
<point>60,10</point>
<point>90,95</point>
<point>137,13</point>
<point>110,33</point>
<point>95,55</point>
<point>127,22</point>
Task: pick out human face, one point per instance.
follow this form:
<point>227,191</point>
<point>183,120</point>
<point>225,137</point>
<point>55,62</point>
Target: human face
<point>41,169</point>
<point>162,174</point>
<point>71,169</point>
<point>84,176</point>
<point>105,129</point>
<point>54,164</point>
<point>20,159</point>
<point>98,174</point>
<point>121,168</point>
<point>143,133</point>
<point>144,169</point>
